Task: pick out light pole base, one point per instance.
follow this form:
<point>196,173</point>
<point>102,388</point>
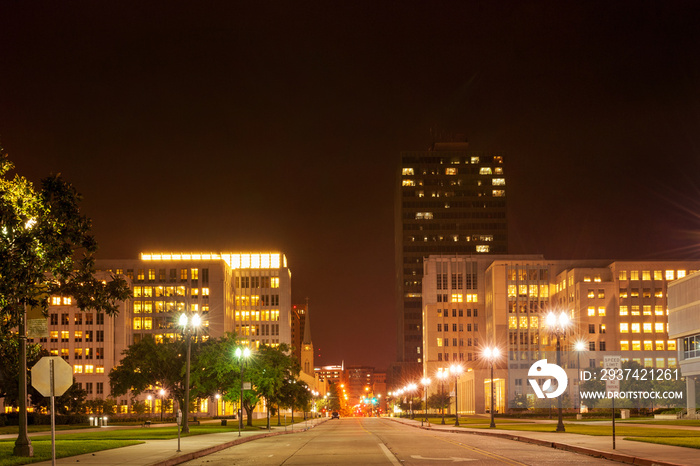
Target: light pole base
<point>23,449</point>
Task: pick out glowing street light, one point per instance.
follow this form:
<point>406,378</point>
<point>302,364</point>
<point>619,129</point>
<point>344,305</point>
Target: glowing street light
<point>241,354</point>
<point>557,325</point>
<point>492,354</point>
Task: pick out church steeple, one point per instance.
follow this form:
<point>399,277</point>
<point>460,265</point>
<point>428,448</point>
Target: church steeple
<point>307,346</point>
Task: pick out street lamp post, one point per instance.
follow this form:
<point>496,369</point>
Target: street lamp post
<point>411,388</point>
<point>217,397</point>
<point>557,325</point>
<point>188,323</point>
<point>241,354</point>
<point>491,354</point>
<point>426,383</point>
<point>162,393</point>
<point>578,347</point>
<point>150,406</point>
<point>456,370</point>
<point>442,375</point>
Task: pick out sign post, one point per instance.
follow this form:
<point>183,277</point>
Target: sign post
<point>52,376</point>
<point>179,422</point>
<point>612,385</point>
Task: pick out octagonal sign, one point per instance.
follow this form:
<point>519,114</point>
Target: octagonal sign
<point>62,375</point>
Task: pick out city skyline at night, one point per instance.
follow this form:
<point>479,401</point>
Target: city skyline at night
<point>279,127</point>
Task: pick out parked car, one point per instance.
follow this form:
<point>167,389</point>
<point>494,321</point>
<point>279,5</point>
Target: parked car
<point>335,415</point>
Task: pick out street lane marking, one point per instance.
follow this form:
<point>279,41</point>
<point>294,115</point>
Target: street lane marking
<point>454,459</point>
<point>389,455</point>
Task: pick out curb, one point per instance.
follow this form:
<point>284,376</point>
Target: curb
<point>621,458</point>
<point>222,446</point>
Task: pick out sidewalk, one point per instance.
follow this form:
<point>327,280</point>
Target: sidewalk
<point>164,452</point>
<point>626,451</point>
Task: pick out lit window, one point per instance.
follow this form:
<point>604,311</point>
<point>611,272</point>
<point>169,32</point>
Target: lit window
<point>100,369</point>
<point>56,300</point>
<point>634,275</point>
<point>671,345</point>
<point>622,275</point>
<point>512,322</point>
<point>424,215</point>
<point>439,341</point>
<point>635,310</point>
<point>636,345</point>
<point>648,361</point>
<point>647,327</point>
<point>137,323</point>
<point>658,293</point>
<point>408,183</point>
<point>523,322</point>
<point>623,310</point>
<point>636,328</point>
<point>601,311</point>
<point>624,345</point>
<point>89,368</point>
<point>591,311</point>
<point>450,171</point>
<point>499,193</point>
<point>485,171</point>
<point>407,171</point>
<point>274,282</point>
<point>475,159</point>
<point>648,346</point>
<point>586,279</point>
<point>647,309</point>
<point>457,298</point>
<point>680,274</point>
<point>624,327</point>
<point>67,301</point>
<point>482,248</point>
<point>669,275</point>
<point>646,275</point>
<point>498,170</point>
<point>659,345</point>
<point>672,363</point>
<point>658,275</point>
<point>498,182</point>
<point>78,369</point>
<point>659,327</point>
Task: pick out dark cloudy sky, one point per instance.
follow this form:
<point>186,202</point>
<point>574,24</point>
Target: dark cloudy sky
<point>277,125</point>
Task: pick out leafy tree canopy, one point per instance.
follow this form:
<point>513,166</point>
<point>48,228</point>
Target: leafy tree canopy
<point>46,248</point>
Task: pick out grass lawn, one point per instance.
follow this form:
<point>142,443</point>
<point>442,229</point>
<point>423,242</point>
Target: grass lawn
<point>42,449</point>
<point>677,422</point>
<point>471,421</point>
<point>40,428</point>
<point>620,430</point>
<point>690,442</point>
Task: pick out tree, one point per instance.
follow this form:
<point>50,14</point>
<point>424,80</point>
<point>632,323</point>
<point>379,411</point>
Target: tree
<point>270,369</point>
<point>9,369</point>
<point>46,248</point>
<point>148,363</point>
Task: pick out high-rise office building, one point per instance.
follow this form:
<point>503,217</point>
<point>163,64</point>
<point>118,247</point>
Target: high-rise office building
<point>614,307</point>
<point>449,200</point>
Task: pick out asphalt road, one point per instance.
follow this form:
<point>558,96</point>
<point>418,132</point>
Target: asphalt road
<point>376,441</point>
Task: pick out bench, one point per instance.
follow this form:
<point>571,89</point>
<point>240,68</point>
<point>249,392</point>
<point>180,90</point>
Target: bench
<point>146,424</point>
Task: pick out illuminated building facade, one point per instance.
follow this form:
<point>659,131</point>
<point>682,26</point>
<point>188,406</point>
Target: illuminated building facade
<point>448,201</point>
<point>615,307</point>
<point>684,327</point>
<point>245,293</point>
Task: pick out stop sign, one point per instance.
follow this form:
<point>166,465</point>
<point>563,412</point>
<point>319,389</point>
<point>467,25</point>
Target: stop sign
<point>62,376</point>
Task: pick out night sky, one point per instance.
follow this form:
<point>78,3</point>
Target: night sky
<point>222,126</point>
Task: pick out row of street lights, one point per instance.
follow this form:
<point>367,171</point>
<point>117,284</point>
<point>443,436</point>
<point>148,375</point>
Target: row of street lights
<point>557,323</point>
